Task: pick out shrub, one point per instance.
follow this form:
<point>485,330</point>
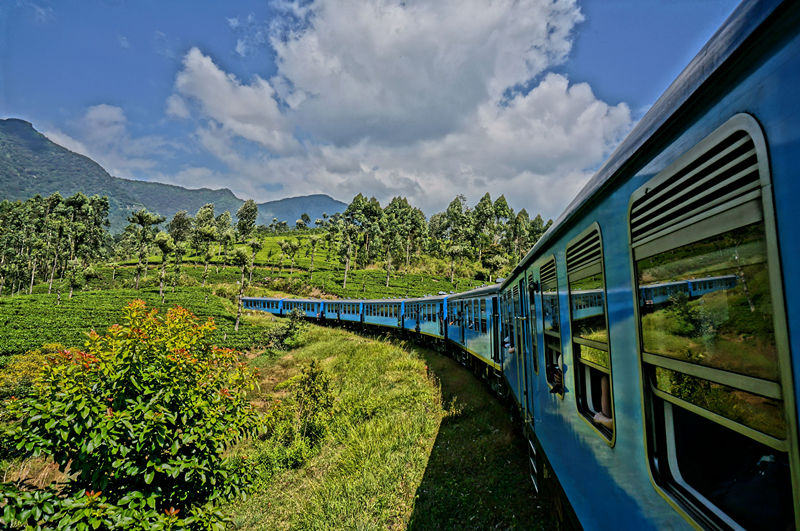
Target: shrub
<point>142,419</point>
<point>288,333</point>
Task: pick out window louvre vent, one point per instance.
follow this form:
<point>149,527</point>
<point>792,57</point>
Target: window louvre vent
<point>725,173</point>
<point>547,274</point>
<point>584,252</point>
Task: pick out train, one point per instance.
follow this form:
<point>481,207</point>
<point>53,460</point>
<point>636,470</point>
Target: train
<point>650,339</point>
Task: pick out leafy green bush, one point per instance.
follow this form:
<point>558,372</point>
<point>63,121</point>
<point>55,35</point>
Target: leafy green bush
<point>141,420</point>
<point>296,427</point>
<point>287,333</point>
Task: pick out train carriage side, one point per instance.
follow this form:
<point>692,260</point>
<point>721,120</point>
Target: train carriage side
<point>386,313</point>
<point>681,412</point>
<point>472,324</point>
<point>312,308</point>
<point>265,304</point>
<point>425,315</point>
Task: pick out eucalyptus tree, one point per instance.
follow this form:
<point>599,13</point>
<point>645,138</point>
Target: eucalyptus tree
<point>395,228</point>
<point>256,245</point>
<point>180,227</point>
<point>143,226</point>
<point>292,249</point>
<point>312,243</point>
<point>240,258</point>
<point>503,215</point>
<point>483,223</point>
<point>75,278</point>
<point>204,234</point>
<point>520,234</point>
<point>284,247</point>
<point>456,232</point>
<point>166,245</point>
<point>246,219</point>
<point>178,254</point>
<point>225,234</point>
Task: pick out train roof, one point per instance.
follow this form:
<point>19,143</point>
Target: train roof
<point>742,23</point>
<point>476,292</point>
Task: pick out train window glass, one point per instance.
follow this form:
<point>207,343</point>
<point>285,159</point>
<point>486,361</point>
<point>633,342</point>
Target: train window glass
<point>593,390</point>
<point>550,318</point>
<point>483,316</point>
<point>727,326</point>
<point>701,234</point>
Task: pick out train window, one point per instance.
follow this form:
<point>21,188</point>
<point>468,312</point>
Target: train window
<point>552,332</point>
<point>483,316</point>
<point>593,390</point>
<point>711,324</point>
<point>532,321</point>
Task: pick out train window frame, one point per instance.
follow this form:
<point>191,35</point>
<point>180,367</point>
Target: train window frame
<point>533,283</point>
<point>582,368</point>
<point>545,332</point>
<point>723,214</point>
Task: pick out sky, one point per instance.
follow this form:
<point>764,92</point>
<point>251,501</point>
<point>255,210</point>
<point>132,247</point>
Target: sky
<point>280,98</point>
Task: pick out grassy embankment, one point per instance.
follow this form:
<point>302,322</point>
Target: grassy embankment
<point>408,448</point>
<point>400,451</point>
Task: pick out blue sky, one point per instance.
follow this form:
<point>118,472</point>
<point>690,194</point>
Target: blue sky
<point>422,99</point>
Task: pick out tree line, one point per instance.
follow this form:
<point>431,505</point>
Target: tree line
<point>48,238</point>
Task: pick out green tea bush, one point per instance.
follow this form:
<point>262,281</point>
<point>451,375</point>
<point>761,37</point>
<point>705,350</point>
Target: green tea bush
<point>141,420</point>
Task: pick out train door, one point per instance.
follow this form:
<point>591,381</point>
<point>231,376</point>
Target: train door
<point>521,333</point>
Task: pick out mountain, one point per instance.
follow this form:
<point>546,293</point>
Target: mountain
<point>31,164</point>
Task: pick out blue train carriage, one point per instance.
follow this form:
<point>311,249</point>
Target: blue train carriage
<point>473,324</point>
<point>312,308</point>
<point>680,413</point>
<point>385,312</point>
<point>346,310</point>
<point>263,304</point>
<point>426,315</point>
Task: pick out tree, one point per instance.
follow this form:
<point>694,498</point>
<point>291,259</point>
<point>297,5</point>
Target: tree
<point>226,236</point>
<point>241,259</point>
<point>180,228</point>
<point>313,242</point>
<point>256,245</point>
<point>538,228</point>
<point>142,224</point>
<point>166,245</point>
<point>246,218</point>
<point>204,234</point>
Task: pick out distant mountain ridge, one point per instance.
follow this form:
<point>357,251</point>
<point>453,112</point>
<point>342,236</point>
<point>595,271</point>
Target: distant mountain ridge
<point>32,164</point>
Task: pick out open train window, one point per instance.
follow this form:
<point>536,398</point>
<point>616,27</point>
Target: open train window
<point>717,378</point>
<point>587,303</point>
<point>550,321</point>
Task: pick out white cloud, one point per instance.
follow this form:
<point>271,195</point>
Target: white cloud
<point>396,72</point>
<point>421,99</point>
<point>123,41</point>
<point>176,107</point>
<point>247,110</point>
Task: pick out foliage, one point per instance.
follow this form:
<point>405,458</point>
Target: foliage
<point>287,334</point>
<point>144,415</point>
<point>18,375</point>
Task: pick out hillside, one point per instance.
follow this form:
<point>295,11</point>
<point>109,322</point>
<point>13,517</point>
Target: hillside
<point>31,164</point>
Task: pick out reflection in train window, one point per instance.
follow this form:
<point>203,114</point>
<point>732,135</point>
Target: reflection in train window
<point>708,316</point>
<point>590,331</point>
